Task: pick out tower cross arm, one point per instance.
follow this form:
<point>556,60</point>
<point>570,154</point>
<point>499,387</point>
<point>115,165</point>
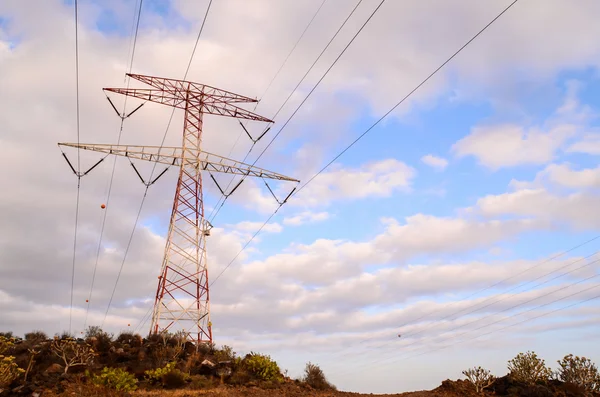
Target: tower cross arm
<point>185,100</point>
<point>165,84</point>
<point>171,155</point>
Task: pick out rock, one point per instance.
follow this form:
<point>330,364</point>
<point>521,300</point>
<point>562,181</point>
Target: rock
<point>120,350</point>
<point>208,363</point>
<point>35,394</point>
<point>55,369</point>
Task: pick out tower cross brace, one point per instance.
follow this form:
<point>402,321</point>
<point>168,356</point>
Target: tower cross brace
<point>182,300</point>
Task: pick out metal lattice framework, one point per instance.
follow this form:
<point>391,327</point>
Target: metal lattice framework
<point>182,296</point>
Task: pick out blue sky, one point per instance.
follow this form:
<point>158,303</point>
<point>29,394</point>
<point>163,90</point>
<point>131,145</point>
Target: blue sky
<point>489,169</point>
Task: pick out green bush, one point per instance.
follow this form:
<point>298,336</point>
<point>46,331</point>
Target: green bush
<point>315,378</point>
<point>529,369</point>
<point>168,376</point>
<point>579,371</point>
<point>115,378</point>
<point>156,375</point>
<point>262,367</point>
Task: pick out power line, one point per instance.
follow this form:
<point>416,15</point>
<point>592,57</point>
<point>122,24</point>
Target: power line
<point>372,126</point>
<point>211,217</point>
<point>78,162</point>
<point>512,325</point>
<point>306,98</point>
<point>496,284</point>
<point>408,95</point>
<point>112,175</point>
<point>293,49</point>
<point>219,205</point>
<point>154,167</point>
<point>502,298</point>
<point>125,256</point>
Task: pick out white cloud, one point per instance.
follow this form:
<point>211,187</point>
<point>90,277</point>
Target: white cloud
<point>434,161</point>
<point>305,217</point>
<point>564,175</point>
<point>508,145</point>
<point>590,144</point>
<point>376,179</point>
<point>577,209</point>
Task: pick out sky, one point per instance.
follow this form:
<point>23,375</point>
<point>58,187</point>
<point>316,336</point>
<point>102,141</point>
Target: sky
<point>466,221</point>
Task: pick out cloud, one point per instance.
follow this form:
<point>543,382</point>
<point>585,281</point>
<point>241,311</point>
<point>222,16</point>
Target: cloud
<point>511,145</point>
<point>435,162</point>
<point>590,144</point>
<point>563,175</point>
<point>306,288</point>
<point>576,210</point>
<point>508,145</point>
<point>375,179</point>
<point>305,217</point>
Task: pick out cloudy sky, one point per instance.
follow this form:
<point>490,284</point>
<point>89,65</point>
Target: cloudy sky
<point>465,221</point>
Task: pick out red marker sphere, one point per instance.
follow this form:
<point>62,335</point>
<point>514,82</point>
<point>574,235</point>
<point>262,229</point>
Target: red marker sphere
<point>103,206</point>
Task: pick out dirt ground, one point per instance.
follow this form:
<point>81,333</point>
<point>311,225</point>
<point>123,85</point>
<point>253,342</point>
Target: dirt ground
<point>291,391</point>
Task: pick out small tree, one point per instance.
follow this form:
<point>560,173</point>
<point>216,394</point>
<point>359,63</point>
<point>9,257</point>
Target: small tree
<point>580,371</point>
<point>72,353</point>
<point>529,369</point>
<point>480,378</point>
<point>315,377</point>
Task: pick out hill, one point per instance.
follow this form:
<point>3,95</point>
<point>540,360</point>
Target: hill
<point>168,365</point>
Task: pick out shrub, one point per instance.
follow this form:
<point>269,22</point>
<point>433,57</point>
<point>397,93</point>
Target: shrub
<point>5,344</point>
<point>529,369</point>
<point>126,338</point>
<point>9,371</point>
<point>80,388</point>
<point>240,377</point>
<point>168,376</point>
<point>315,378</point>
<point>226,353</point>
<point>36,336</point>
<point>201,382</point>
<point>174,379</point>
<point>580,371</point>
<point>479,377</point>
<point>115,378</point>
<point>6,335</point>
<point>102,341</point>
<point>155,375</point>
<point>261,367</point>
<point>65,335</point>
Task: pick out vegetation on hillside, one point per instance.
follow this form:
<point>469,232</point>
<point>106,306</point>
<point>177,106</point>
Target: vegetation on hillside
<point>101,364</point>
<point>529,375</point>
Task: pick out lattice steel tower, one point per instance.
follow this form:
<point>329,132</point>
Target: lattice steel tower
<point>182,296</point>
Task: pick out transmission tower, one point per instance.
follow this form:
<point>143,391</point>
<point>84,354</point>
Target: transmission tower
<point>182,295</point>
